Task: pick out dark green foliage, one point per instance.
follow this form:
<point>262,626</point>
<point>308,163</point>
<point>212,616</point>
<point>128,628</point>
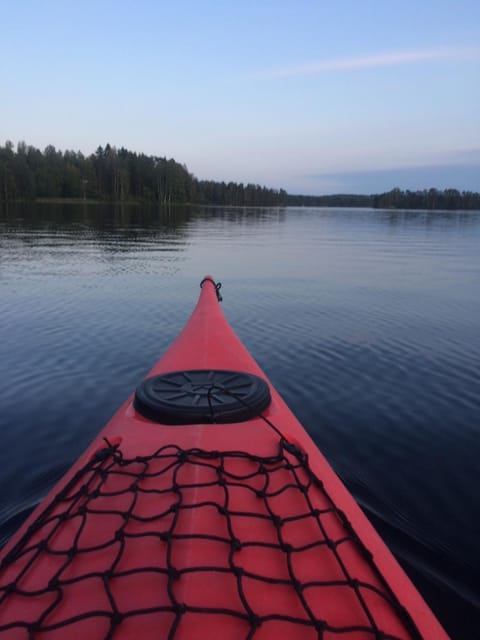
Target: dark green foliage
<point>250,195</point>
<point>427,199</point>
<point>117,175</point>
<point>337,200</point>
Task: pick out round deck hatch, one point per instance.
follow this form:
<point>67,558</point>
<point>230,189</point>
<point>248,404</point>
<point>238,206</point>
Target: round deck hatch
<point>202,396</point>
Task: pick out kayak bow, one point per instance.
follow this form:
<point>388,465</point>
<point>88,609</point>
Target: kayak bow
<point>204,510</point>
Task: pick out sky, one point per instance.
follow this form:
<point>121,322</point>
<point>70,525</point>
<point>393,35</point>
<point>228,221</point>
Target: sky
<point>313,96</point>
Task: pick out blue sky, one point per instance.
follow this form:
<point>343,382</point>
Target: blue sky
<point>316,97</point>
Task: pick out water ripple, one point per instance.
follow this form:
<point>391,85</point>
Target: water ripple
<point>367,322</point>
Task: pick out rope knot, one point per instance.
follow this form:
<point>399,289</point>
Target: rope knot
<point>173,573</point>
<point>116,618</point>
<point>217,285</point>
<point>255,621</point>
<point>320,626</point>
<point>236,545</point>
<point>179,608</point>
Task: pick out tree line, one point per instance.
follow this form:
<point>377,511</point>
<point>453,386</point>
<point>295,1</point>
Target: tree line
<point>117,175</point>
<point>395,199</point>
<point>120,175</point>
<point>427,199</point>
<point>336,200</point>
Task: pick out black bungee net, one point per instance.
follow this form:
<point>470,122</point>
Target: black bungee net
<point>108,496</point>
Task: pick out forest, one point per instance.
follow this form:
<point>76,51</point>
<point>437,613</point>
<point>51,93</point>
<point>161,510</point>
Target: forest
<point>120,175</point>
<point>117,175</point>
<point>427,199</point>
<point>336,200</point>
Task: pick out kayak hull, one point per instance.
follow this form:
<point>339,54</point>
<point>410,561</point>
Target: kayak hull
<point>221,540</point>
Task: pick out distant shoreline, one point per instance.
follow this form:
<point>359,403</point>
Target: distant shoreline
<point>162,205</point>
<point>123,177</point>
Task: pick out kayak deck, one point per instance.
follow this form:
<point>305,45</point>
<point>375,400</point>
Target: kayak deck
<point>237,530</point>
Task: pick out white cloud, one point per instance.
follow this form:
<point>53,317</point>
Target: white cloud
<point>372,61</point>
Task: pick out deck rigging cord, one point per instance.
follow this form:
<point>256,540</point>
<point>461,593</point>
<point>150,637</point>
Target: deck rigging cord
<point>264,478</point>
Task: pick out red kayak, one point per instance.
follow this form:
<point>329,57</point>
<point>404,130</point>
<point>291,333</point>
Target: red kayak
<point>203,510</point>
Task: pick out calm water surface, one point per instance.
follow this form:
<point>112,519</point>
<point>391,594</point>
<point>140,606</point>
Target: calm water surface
<point>367,322</point>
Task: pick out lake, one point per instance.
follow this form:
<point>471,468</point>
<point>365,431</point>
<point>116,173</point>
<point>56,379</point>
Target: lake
<point>366,321</point>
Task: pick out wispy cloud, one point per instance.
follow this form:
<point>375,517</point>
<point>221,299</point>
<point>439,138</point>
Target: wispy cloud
<point>372,61</point>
